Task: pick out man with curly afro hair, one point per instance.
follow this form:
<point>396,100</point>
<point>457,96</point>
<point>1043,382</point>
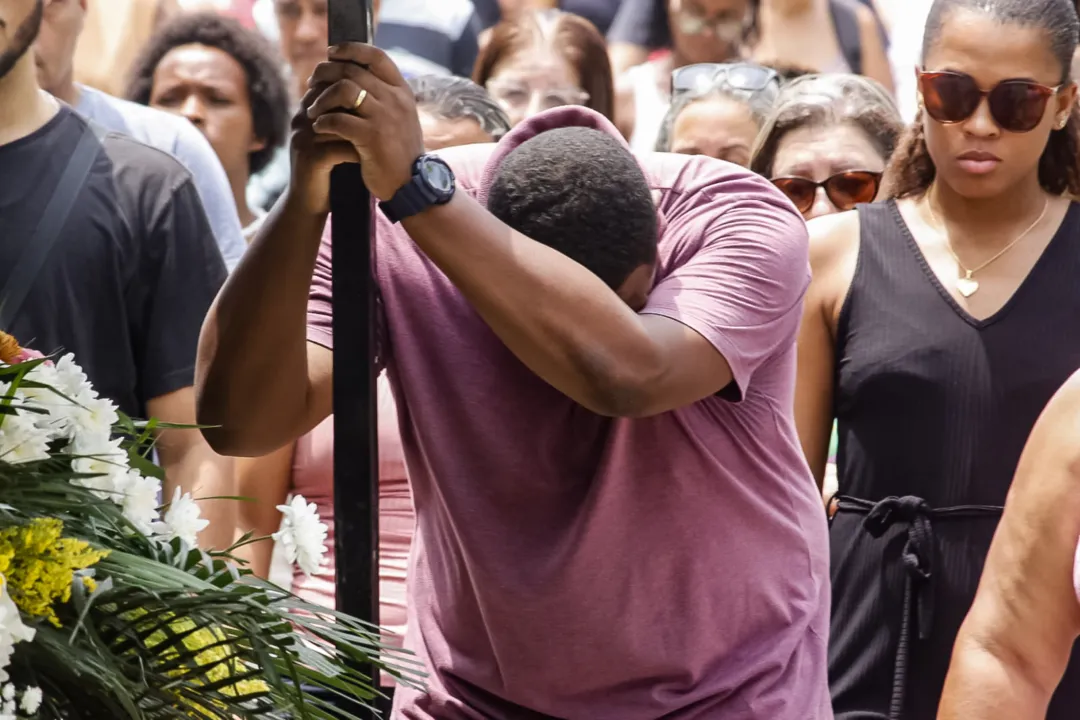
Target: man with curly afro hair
<point>62,26</point>
<point>225,79</point>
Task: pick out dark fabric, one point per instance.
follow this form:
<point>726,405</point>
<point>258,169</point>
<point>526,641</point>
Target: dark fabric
<point>645,23</point>
<point>641,22</point>
<point>129,281</point>
<point>431,44</point>
<point>846,22</point>
<point>600,13</point>
<point>933,409</point>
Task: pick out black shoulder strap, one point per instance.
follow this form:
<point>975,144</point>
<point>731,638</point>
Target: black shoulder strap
<point>52,220</point>
<point>846,22</point>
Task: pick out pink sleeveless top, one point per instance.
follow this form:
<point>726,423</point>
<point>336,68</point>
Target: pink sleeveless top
<point>312,477</point>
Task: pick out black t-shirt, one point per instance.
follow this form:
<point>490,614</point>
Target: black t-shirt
<point>129,280</point>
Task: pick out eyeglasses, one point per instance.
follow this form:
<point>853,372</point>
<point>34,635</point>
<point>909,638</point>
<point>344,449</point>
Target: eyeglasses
<point>845,190</point>
<point>516,95</point>
<point>702,77</point>
<point>727,29</point>
<point>1016,105</point>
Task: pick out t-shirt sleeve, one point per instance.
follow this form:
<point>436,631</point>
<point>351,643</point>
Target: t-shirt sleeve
<point>742,287</point>
<point>320,316</point>
<point>194,151</point>
<point>183,271</point>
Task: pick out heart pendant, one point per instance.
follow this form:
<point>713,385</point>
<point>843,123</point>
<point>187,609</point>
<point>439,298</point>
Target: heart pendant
<point>967,286</point>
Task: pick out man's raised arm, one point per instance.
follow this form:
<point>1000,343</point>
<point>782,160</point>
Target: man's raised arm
<point>258,381</point>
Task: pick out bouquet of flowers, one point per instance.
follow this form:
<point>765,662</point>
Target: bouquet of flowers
<point>108,609</point>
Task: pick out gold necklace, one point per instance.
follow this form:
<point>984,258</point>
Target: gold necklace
<point>968,285</point>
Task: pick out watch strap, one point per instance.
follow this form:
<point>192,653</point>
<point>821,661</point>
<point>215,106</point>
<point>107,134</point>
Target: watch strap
<point>412,198</point>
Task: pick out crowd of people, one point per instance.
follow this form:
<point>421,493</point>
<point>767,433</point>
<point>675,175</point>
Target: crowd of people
<point>785,437</point>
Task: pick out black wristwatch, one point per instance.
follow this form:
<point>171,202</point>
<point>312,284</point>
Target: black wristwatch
<point>432,183</point>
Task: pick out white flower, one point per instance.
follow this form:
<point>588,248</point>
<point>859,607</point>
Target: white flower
<point>182,520</point>
<point>9,709</point>
<point>139,497</point>
<point>302,535</point>
<point>31,700</point>
<point>70,378</point>
<point>12,629</point>
<point>106,460</point>
<point>8,692</point>
<point>94,417</point>
<point>21,441</point>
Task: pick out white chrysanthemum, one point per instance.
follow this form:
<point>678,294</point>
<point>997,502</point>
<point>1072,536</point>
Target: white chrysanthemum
<point>31,700</point>
<point>8,693</point>
<point>302,535</point>
<point>94,418</point>
<point>139,496</point>
<point>12,629</point>
<point>106,460</point>
<point>21,440</point>
<point>70,378</point>
<point>8,710</point>
<point>182,520</point>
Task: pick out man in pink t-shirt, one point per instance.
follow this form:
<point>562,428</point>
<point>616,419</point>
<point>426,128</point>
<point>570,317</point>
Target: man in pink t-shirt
<point>614,518</point>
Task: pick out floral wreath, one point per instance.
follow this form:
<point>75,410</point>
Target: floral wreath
<point>108,609</point>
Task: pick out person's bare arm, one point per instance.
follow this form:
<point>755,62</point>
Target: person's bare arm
<point>191,465</point>
<point>1015,644</point>
<point>259,383</point>
<point>831,244</point>
<point>264,483</point>
<point>875,58</point>
<point>607,358</point>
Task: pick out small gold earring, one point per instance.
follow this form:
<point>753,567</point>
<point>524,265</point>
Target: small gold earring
<point>1062,122</point>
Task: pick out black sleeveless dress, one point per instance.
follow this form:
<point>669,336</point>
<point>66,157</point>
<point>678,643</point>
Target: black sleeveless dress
<point>934,408</point>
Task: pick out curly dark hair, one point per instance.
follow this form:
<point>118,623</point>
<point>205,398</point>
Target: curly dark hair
<point>265,80</point>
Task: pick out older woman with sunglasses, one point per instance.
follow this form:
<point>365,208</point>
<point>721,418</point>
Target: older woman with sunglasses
<point>938,325</point>
<point>718,110</point>
<point>827,141</point>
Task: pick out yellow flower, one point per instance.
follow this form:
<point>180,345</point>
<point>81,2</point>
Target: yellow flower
<point>40,565</point>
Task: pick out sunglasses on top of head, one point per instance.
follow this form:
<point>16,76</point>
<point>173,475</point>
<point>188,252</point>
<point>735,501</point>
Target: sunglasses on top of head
<point>702,77</point>
<point>845,190</point>
<point>1016,105</point>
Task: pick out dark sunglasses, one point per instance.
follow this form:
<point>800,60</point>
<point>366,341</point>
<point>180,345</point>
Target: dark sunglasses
<point>1016,105</point>
<point>845,190</point>
<point>702,77</point>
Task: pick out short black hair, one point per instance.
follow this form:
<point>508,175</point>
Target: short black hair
<point>581,192</point>
<point>457,98</point>
<point>266,86</point>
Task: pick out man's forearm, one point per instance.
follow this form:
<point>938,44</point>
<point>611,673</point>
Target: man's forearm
<point>251,379</point>
<point>556,316</point>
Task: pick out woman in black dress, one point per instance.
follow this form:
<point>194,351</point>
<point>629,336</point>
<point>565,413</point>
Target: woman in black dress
<point>938,326</point>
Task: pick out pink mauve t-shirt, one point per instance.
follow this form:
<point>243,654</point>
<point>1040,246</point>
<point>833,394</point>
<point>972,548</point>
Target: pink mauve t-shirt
<point>568,565</point>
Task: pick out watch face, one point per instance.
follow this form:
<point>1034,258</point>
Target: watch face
<point>438,175</point>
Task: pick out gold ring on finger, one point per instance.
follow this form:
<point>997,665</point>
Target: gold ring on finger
<point>359,100</point>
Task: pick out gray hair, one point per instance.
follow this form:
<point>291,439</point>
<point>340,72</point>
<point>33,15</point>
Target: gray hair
<point>457,98</point>
<point>829,100</point>
<point>758,102</point>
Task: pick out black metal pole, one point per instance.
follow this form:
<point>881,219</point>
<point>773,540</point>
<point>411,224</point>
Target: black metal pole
<point>356,464</point>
